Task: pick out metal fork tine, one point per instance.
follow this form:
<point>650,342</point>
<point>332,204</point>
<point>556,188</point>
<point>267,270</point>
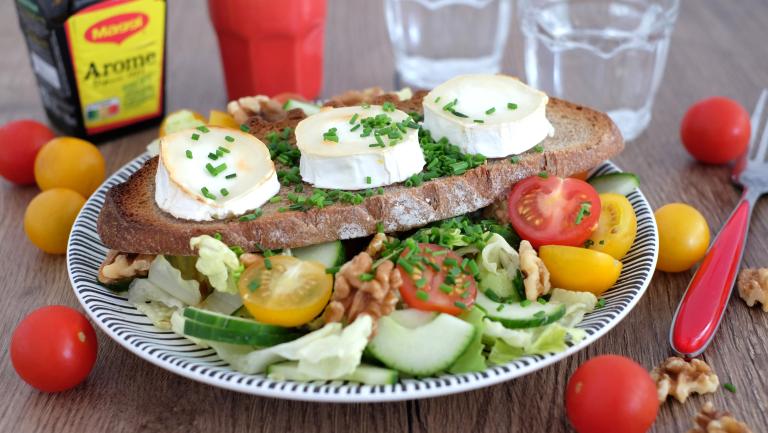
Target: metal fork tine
<point>757,115</point>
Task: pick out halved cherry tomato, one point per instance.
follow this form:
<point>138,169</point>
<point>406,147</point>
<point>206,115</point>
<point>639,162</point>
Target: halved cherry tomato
<point>610,394</point>
<point>285,291</point>
<point>617,228</point>
<point>54,348</point>
<point>553,210</point>
<point>434,280</point>
<point>220,118</point>
<point>580,269</point>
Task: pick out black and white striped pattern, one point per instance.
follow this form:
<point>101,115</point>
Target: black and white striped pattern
<point>130,328</point>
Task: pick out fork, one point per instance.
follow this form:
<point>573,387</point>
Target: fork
<point>700,311</point>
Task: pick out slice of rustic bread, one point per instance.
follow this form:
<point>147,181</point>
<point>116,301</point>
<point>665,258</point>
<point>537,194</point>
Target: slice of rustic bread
<point>130,221</point>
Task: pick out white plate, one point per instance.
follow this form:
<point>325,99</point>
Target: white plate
<point>130,328</point>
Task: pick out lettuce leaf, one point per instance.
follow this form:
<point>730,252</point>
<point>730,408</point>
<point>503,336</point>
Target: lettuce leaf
<point>163,275</point>
<point>546,339</point>
<point>577,304</point>
<point>217,262</point>
<point>499,264</point>
<point>153,301</point>
<point>472,359</point>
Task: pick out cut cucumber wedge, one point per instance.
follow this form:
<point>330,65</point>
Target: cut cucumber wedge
<point>235,324</point>
<point>517,316</point>
<point>424,350</point>
<point>207,332</point>
<point>366,374</point>
<point>329,254</point>
<point>620,183</point>
<point>307,107</point>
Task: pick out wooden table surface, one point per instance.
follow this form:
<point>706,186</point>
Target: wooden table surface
<point>717,48</point>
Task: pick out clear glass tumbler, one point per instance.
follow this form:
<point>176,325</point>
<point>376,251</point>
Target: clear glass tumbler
<point>434,40</point>
<point>607,54</point>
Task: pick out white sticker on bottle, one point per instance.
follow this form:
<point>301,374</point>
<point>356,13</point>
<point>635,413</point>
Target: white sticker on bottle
<point>46,71</point>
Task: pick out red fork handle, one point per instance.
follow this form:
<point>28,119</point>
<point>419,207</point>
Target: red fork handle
<point>703,303</point>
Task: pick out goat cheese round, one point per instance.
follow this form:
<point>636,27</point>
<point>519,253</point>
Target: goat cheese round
<point>212,173</point>
<point>491,115</point>
<point>358,147</point>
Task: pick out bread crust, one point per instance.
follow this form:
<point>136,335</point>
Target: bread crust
<point>131,221</point>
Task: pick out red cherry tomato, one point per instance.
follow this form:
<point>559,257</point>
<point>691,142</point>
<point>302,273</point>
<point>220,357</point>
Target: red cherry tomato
<point>433,280</point>
<point>715,130</point>
<point>20,140</point>
<point>553,210</point>
<point>54,348</point>
<point>610,394</point>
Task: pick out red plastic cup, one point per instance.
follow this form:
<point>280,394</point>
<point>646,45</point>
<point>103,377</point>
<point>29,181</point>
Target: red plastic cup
<point>270,46</point>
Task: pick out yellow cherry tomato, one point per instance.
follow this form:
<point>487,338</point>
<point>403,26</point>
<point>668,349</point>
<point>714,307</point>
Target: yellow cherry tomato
<point>580,269</point>
<point>49,218</point>
<point>285,291</point>
<point>68,162</point>
<point>181,119</point>
<point>220,118</point>
<point>683,237</point>
<point>617,227</point>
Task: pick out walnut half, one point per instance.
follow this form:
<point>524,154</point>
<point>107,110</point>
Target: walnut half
<point>536,275</point>
<point>680,378</point>
<point>118,267</point>
<point>360,290</point>
<point>753,287</point>
<point>710,420</point>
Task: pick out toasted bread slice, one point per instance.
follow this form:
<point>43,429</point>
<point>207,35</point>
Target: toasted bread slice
<point>130,221</point>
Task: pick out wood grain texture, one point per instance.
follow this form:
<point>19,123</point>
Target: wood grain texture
<point>717,48</point>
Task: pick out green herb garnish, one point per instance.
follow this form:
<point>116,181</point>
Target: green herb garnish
<point>229,138</point>
<point>422,295</point>
<point>512,106</point>
<point>490,110</point>
<point>207,194</point>
<point>189,154</point>
<point>584,211</point>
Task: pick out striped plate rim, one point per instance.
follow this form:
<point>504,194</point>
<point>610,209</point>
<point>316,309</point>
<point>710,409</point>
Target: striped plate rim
<point>131,329</point>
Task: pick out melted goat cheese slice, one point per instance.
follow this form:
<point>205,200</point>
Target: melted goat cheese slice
<point>213,173</point>
<point>350,162</point>
<point>491,115</point>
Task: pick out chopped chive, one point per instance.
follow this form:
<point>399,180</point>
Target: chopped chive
<point>588,243</point>
<point>244,128</point>
<point>459,114</point>
<point>282,209</point>
<point>445,288</point>
<point>356,127</point>
<point>379,227</point>
<point>543,174</point>
<point>219,153</point>
<point>514,159</point>
<point>450,262</point>
<point>421,282</point>
<point>380,190</point>
<point>388,107</point>
<point>254,285</point>
<point>512,106</point>
<point>207,194</point>
<point>203,129</point>
<point>267,262</point>
<point>440,253</point>
<point>600,303</point>
<point>490,110</point>
<point>248,217</point>
<point>224,192</point>
<point>730,387</point>
<point>195,137</point>
<point>479,121</point>
<point>602,242</point>
<point>237,250</point>
<point>541,301</point>
<point>422,295</point>
<point>230,176</point>
<point>466,293</point>
<point>229,138</point>
<point>366,277</point>
<point>217,236</point>
<point>405,265</point>
<point>275,199</point>
<point>500,307</point>
<point>473,267</point>
<point>525,302</point>
<point>222,149</point>
<point>437,99</point>
<point>538,148</point>
<point>213,156</point>
<point>460,304</point>
<point>189,154</point>
<point>215,171</point>
<point>353,119</point>
<point>584,211</point>
<point>368,180</point>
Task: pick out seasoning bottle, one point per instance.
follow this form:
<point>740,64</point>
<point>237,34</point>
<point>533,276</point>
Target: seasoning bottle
<point>100,65</point>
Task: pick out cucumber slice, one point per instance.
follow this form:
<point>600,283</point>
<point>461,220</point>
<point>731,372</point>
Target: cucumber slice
<point>517,316</point>
<point>366,374</point>
<point>205,331</point>
<point>307,107</point>
<point>234,324</point>
<point>620,183</point>
<point>329,254</point>
<point>422,351</point>
<point>412,318</point>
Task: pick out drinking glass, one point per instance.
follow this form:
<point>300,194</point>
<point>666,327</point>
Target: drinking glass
<point>434,40</point>
<point>607,54</point>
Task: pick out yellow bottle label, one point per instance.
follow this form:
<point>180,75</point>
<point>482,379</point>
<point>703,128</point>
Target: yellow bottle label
<point>117,50</point>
